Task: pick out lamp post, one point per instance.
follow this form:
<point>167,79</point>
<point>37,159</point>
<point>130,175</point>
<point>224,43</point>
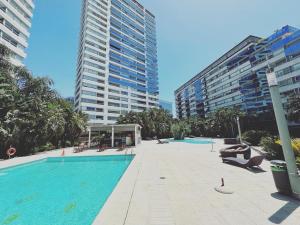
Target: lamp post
<point>239,128</point>
<point>284,134</point>
<point>89,141</point>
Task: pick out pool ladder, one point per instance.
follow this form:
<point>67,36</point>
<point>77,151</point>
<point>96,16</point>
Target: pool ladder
<point>126,151</point>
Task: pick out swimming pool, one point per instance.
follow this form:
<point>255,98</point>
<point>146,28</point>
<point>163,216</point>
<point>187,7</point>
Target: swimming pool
<point>194,141</point>
<point>59,191</point>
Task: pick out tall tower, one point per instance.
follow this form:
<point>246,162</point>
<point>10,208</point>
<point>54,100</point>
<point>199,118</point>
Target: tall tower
<point>117,60</point>
<point>15,24</point>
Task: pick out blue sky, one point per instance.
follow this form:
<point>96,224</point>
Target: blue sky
<point>191,34</point>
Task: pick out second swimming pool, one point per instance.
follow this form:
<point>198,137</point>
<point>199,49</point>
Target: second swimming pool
<point>194,141</point>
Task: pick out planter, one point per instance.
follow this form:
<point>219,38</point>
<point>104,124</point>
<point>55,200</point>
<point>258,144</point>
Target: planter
<point>281,177</point>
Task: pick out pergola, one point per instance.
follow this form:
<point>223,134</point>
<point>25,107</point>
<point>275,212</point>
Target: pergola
<point>135,129</point>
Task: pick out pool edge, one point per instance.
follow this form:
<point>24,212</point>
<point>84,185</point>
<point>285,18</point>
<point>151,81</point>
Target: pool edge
<point>116,206</point>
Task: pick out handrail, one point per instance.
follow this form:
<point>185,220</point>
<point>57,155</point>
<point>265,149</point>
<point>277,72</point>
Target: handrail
<point>126,151</point>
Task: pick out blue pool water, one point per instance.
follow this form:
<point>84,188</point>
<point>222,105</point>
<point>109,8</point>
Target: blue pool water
<point>59,191</point>
<point>194,141</point>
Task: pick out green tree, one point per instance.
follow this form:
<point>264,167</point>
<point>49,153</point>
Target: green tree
<point>198,126</point>
<point>75,124</point>
<point>32,114</point>
<point>161,121</point>
<point>154,122</point>
<point>180,130</point>
<point>225,121</point>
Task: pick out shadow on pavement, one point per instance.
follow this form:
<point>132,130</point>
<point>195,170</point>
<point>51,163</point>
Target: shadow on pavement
<point>285,211</point>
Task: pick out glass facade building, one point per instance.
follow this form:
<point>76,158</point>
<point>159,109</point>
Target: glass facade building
<point>117,60</point>
<point>238,78</point>
<point>15,24</point>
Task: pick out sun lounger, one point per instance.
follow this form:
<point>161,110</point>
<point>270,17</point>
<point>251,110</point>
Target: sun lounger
<point>253,162</point>
<point>102,148</point>
<point>233,151</point>
<point>80,148</point>
<point>162,142</point>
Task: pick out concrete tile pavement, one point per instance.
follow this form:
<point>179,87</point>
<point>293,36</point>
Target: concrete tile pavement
<point>187,197</point>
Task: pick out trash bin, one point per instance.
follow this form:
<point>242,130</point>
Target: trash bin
<point>281,177</point>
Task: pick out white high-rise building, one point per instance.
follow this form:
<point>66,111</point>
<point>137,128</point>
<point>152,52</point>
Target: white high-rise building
<point>117,60</point>
<point>15,24</point>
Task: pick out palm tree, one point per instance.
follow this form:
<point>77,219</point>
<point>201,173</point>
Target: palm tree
<point>32,114</point>
<point>154,122</point>
<point>225,119</point>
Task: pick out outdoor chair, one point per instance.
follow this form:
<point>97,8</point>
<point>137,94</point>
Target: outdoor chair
<point>162,142</point>
<point>233,151</point>
<point>253,162</point>
<point>102,148</point>
<point>80,148</point>
<point>122,148</point>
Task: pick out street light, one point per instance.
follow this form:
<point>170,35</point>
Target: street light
<point>284,134</point>
<point>239,128</point>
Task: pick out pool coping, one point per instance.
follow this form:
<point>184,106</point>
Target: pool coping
<point>3,169</point>
<point>117,205</point>
<point>60,157</point>
<point>4,164</point>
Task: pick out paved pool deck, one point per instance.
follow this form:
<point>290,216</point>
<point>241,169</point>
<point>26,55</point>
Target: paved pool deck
<point>173,184</point>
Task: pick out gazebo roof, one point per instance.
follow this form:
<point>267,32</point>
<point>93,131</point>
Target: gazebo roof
<point>116,127</point>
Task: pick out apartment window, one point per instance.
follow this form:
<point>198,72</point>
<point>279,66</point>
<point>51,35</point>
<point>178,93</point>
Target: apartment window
<point>124,99</point>
<point>92,86</point>
<point>95,117</point>
<point>94,72</point>
<point>95,52</point>
<point>114,111</point>
<point>113,104</point>
<point>91,109</point>
<point>93,79</point>
<point>87,100</point>
<point>114,91</point>
<point>94,58</point>
<point>114,97</point>
<point>112,118</point>
<point>93,65</point>
<point>90,93</point>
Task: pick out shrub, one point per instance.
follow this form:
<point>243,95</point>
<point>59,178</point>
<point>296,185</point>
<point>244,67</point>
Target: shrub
<point>298,161</point>
<point>295,145</point>
<point>272,145</point>
<point>273,149</point>
<point>68,144</point>
<point>180,130</point>
<point>254,136</point>
<point>47,147</point>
